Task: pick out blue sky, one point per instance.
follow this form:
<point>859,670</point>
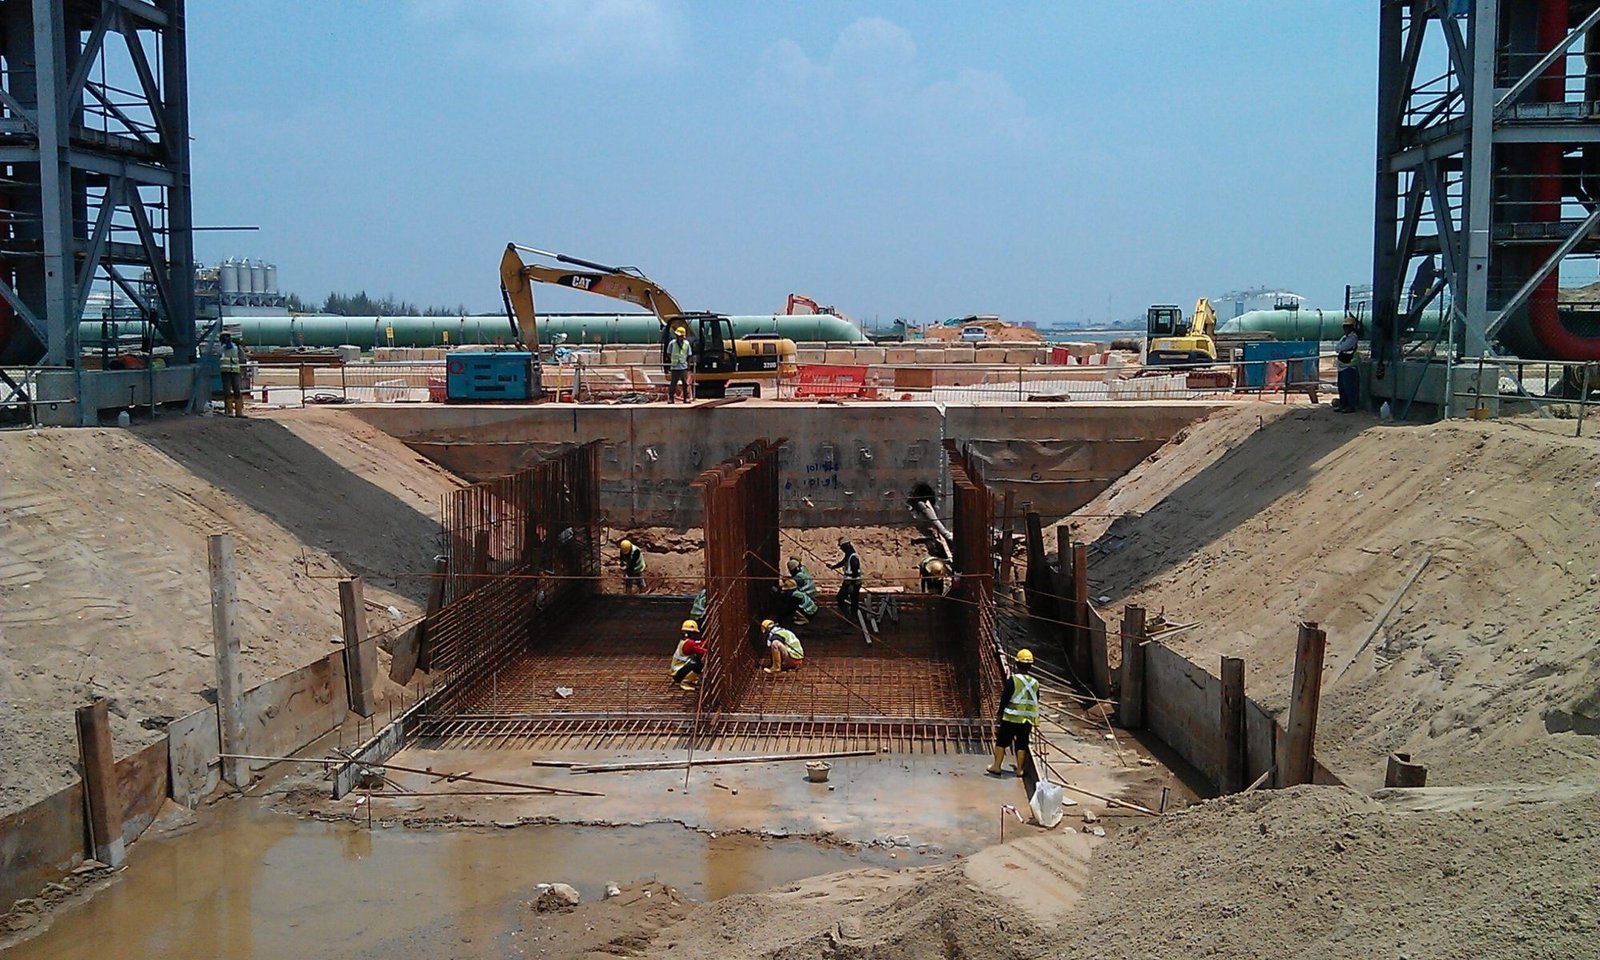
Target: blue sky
<point>1044,162</point>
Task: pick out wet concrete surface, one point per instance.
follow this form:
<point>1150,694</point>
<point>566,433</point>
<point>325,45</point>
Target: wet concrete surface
<point>247,882</point>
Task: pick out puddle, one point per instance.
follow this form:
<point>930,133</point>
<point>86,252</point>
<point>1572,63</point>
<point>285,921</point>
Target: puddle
<point>254,884</point>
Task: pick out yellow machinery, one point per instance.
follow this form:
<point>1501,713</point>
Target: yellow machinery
<point>1167,346</point>
<point>719,358</point>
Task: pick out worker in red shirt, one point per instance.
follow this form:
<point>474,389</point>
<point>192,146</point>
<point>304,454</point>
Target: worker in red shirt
<point>689,659</point>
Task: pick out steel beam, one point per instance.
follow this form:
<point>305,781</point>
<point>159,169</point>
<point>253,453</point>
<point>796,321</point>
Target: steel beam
<point>1510,94</point>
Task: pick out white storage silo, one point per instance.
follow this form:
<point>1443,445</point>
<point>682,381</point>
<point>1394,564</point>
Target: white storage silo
<point>228,277</point>
<point>258,278</point>
<point>272,280</point>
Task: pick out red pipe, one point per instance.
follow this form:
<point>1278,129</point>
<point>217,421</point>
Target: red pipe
<point>1543,317</point>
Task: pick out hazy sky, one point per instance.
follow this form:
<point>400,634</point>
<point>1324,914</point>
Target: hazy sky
<point>1040,161</point>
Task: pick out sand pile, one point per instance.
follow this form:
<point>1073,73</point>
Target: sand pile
<point>1485,668</point>
<point>104,587</point>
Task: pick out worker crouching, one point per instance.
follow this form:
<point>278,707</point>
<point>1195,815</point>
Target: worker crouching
<point>798,606</point>
<point>935,575</point>
<point>632,567</point>
<point>1019,714</point>
<point>785,647</point>
<point>689,659</point>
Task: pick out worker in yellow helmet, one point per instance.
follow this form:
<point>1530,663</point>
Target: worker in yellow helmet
<point>785,646</point>
<point>689,659</point>
<point>935,574</point>
<point>632,567</point>
<point>1019,714</point>
<point>796,604</point>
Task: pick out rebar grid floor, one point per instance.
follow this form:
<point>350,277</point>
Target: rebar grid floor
<point>613,654</point>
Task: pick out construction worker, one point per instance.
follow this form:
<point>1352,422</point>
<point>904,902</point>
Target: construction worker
<point>231,360</point>
<point>785,647</point>
<point>1349,377</point>
<point>678,354</point>
<point>689,659</point>
<point>632,567</point>
<point>798,606</point>
<point>697,609</point>
<point>934,575</point>
<point>802,577</point>
<point>1019,714</point>
<point>850,586</point>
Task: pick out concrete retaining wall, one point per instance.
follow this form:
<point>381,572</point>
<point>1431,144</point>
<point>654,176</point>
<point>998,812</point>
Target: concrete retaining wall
<point>850,464</point>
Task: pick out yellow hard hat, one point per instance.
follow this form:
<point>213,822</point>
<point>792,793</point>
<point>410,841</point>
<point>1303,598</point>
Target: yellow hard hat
<point>936,567</point>
<point>1024,656</point>
<point>625,546</point>
<point>689,626</point>
<point>767,625</point>
<point>794,564</point>
<point>788,583</point>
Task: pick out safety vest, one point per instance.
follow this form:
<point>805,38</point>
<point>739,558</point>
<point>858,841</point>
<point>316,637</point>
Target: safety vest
<point>804,582</point>
<point>633,563</point>
<point>232,359</point>
<point>808,606</point>
<point>1024,704</point>
<point>789,641</point>
<point>852,567</point>
<point>697,610</point>
<point>678,354</point>
<point>679,658</point>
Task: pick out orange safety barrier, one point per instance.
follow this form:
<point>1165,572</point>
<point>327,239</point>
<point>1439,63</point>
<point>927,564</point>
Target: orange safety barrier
<point>831,380</point>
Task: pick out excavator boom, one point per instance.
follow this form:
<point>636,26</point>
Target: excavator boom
<point>517,279</point>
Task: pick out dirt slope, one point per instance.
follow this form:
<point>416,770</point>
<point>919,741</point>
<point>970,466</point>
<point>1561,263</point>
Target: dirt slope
<point>1487,668</point>
<point>103,571</point>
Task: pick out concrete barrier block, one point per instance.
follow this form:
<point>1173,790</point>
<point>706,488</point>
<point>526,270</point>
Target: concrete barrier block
<point>960,354</point>
<point>840,355</point>
<point>990,355</point>
<point>870,354</point>
<point>900,355</point>
<point>927,355</point>
<point>1021,356</point>
<point>813,356</point>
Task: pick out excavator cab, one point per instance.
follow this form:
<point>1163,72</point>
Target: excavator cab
<point>1163,320</point>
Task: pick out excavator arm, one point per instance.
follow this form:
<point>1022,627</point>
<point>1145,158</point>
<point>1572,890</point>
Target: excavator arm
<point>517,279</point>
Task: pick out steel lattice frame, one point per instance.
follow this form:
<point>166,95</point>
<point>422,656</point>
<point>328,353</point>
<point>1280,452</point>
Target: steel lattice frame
<point>1488,160</point>
<point>94,170</point>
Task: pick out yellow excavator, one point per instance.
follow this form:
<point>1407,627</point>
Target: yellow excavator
<point>719,358</point>
<point>1167,346</point>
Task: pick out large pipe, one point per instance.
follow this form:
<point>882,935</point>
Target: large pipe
<point>1544,318</point>
<point>591,329</point>
<point>1312,324</point>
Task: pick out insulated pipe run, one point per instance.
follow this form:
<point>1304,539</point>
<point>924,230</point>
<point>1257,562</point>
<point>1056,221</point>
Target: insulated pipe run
<point>1543,317</point>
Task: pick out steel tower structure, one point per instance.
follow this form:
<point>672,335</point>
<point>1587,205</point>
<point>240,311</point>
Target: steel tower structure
<point>1488,174</point>
<point>94,172</point>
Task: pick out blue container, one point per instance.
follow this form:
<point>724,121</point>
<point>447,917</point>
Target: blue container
<point>1300,354</point>
<point>489,376</point>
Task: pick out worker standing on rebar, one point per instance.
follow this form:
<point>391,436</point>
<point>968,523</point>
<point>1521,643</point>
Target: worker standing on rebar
<point>802,577</point>
<point>697,609</point>
<point>1349,378</point>
<point>935,575</point>
<point>854,577</point>
<point>632,567</point>
<point>785,648</point>
<point>798,607</point>
<point>689,659</point>
<point>678,354</point>
<point>231,360</point>
<point>1019,714</point>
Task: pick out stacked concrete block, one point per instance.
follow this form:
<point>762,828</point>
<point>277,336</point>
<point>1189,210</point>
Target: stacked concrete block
<point>870,354</point>
<point>990,355</point>
<point>955,354</point>
<point>900,355</point>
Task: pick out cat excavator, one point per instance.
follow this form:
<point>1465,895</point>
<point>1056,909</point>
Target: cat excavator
<point>719,358</point>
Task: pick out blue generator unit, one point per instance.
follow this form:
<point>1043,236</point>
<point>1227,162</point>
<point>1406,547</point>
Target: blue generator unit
<point>480,377</point>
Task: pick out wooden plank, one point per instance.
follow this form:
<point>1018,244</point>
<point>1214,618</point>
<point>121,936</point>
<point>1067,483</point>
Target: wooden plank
<point>288,712</point>
<point>1130,701</point>
<point>1082,661</point>
<point>360,653</point>
<point>441,569</point>
<point>40,843</point>
<point>142,784</point>
<point>1304,701</point>
<point>1383,616</point>
<point>100,782</point>
<point>225,639</point>
<point>715,761</point>
<point>1038,582</point>
<point>1230,738</point>
<point>1403,773</point>
<point>1007,536</point>
<point>1099,654</point>
<point>192,745</point>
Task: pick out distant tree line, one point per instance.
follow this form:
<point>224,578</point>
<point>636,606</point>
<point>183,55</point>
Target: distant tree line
<point>364,305</point>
